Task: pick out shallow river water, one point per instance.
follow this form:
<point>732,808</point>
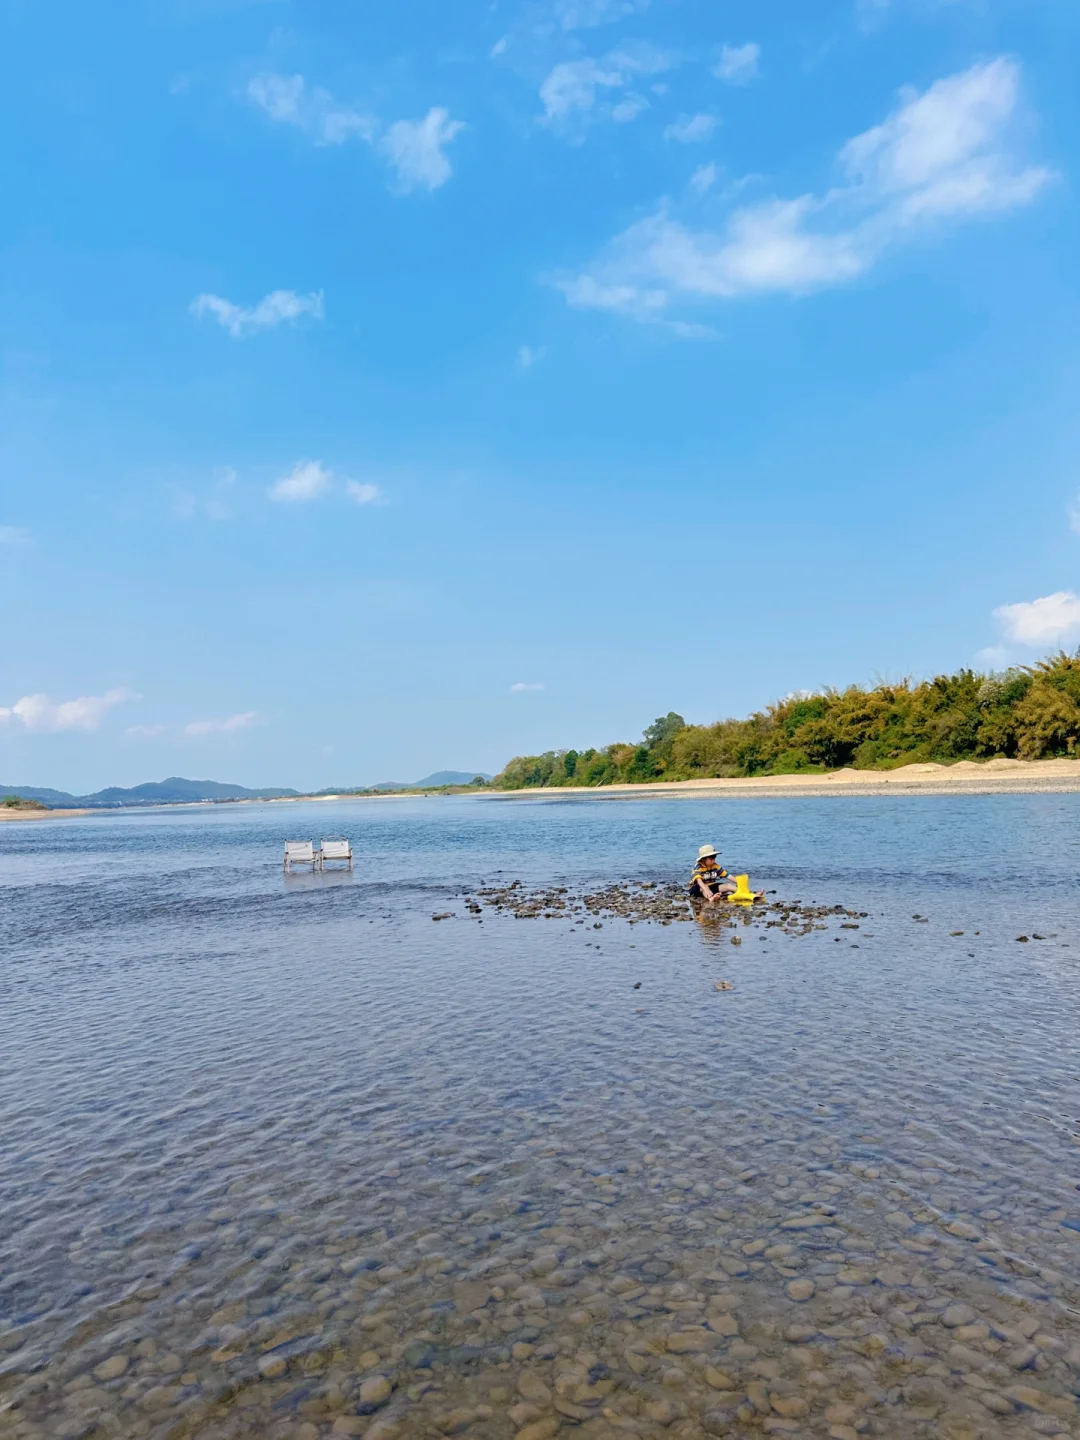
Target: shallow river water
<point>282,1157</point>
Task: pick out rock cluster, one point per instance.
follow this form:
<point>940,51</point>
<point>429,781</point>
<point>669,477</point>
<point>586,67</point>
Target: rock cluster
<point>648,901</point>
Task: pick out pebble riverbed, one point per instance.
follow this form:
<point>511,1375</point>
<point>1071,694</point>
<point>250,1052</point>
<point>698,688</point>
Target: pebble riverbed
<point>281,1160</point>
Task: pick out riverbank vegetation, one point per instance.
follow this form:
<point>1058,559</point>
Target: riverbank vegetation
<point>1029,713</point>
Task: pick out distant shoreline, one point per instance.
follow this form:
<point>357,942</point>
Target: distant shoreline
<point>7,813</point>
<point>966,777</point>
<point>29,813</point>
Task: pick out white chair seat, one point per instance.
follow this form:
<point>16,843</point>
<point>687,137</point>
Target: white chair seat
<point>336,849</point>
<point>300,852</point>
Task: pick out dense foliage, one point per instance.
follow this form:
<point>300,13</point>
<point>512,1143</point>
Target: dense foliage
<point>1030,713</point>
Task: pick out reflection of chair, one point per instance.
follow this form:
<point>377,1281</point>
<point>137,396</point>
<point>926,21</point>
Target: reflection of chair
<point>335,849</point>
<point>300,852</point>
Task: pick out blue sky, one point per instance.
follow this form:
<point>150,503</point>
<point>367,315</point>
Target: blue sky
<point>387,388</point>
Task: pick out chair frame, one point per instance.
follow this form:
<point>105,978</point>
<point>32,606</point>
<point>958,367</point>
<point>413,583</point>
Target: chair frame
<point>290,859</point>
<point>335,840</point>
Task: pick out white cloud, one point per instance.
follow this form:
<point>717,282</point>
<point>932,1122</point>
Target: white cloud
<point>995,657</point>
<point>13,535</point>
<point>943,155</point>
<point>1074,516</point>
<point>571,90</point>
<point>738,64</point>
<point>38,713</point>
<point>1053,619</point>
<point>690,129</point>
<point>499,47</point>
<point>527,357</point>
<point>629,109</point>
<point>307,480</point>
<point>311,479</point>
<point>704,178</point>
<point>942,150</point>
<point>187,505</point>
<point>587,14</point>
<point>522,686</point>
<point>288,100</point>
<point>364,493</point>
<point>281,96</point>
<point>144,732</point>
<point>573,85</point>
<point>272,310</point>
<point>229,726</point>
<point>415,148</point>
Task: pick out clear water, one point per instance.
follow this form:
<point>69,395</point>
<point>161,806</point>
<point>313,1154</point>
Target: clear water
<point>281,1157</point>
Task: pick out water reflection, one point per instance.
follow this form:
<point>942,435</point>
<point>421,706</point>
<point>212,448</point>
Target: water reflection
<point>294,1161</point>
<point>305,880</point>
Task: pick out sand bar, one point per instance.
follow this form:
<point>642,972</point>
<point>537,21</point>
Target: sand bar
<point>966,777</point>
<point>9,813</point>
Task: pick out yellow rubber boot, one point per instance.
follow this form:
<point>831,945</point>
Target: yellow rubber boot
<point>742,894</point>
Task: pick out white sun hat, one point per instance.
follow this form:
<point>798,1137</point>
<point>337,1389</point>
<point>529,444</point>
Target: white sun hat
<point>707,852</point>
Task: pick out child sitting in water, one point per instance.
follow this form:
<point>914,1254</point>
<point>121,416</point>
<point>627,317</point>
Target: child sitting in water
<point>709,882</point>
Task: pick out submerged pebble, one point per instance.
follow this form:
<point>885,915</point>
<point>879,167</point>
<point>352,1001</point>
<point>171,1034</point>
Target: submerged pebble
<point>817,1226</point>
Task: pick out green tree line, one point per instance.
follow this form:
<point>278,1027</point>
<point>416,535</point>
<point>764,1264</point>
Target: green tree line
<point>1031,712</point>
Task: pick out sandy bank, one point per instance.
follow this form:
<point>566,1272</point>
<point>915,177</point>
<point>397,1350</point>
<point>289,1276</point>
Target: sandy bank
<point>7,813</point>
<point>966,777</point>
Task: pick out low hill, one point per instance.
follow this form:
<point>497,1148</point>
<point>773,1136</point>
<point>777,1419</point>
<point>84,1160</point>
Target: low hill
<point>433,781</point>
<point>178,791</point>
<point>448,777</point>
<point>175,790</point>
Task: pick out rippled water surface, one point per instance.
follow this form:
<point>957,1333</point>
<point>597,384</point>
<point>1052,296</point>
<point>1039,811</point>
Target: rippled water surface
<point>283,1157</point>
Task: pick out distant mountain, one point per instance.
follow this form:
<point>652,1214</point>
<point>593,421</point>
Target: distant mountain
<point>448,777</point>
<point>175,790</point>
<point>55,799</point>
<point>432,782</point>
<point>178,791</point>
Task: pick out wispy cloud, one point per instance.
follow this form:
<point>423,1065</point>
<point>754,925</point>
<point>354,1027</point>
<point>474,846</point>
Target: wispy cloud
<point>212,505</point>
<point>1074,516</point>
<point>528,356</point>
<point>572,92</point>
<point>144,732</point>
<point>289,100</point>
<point>587,14</point>
<point>38,713</point>
<point>364,493</point>
<point>943,156</point>
<point>1052,619</point>
<point>738,64</point>
<point>704,178</point>
<point>271,311</point>
<point>416,149</point>
<point>307,480</point>
<point>691,129</point>
<point>311,480</point>
<point>523,685</point>
<point>231,725</point>
<point>13,535</point>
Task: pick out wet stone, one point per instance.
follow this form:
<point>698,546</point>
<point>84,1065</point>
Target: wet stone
<point>374,1392</point>
<point>112,1368</point>
<point>614,1250</point>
